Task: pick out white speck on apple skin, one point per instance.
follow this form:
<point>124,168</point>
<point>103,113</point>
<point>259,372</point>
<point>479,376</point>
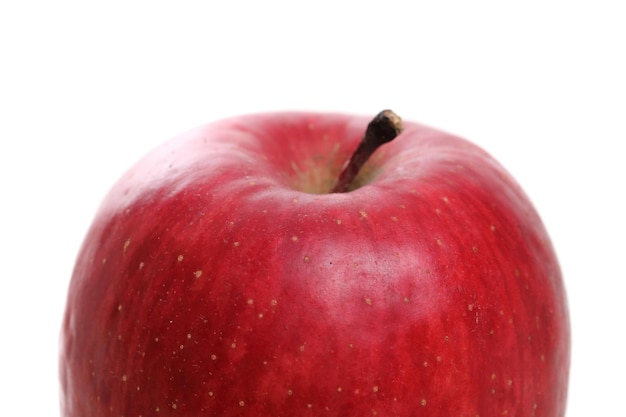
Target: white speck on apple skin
<point>126,245</point>
<point>141,264</point>
<point>180,258</point>
<point>198,274</point>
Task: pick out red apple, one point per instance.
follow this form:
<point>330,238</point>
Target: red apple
<point>221,277</point>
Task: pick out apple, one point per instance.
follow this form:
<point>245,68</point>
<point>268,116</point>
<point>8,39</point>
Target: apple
<point>245,269</point>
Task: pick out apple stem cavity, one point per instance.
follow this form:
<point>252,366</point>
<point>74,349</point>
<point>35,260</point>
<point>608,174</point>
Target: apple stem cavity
<point>382,129</point>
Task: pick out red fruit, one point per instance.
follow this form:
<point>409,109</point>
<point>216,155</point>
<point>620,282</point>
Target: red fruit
<point>221,278</point>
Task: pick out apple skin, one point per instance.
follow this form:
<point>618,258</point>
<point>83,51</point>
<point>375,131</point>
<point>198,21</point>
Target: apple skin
<point>218,279</point>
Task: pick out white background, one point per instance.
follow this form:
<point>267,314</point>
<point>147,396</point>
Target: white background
<point>86,88</point>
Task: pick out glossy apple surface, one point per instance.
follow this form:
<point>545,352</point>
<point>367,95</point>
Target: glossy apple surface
<point>220,278</point>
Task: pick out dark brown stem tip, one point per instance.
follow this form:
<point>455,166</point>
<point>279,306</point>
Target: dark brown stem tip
<point>382,129</point>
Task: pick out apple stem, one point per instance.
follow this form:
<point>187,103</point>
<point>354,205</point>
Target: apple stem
<point>382,129</point>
